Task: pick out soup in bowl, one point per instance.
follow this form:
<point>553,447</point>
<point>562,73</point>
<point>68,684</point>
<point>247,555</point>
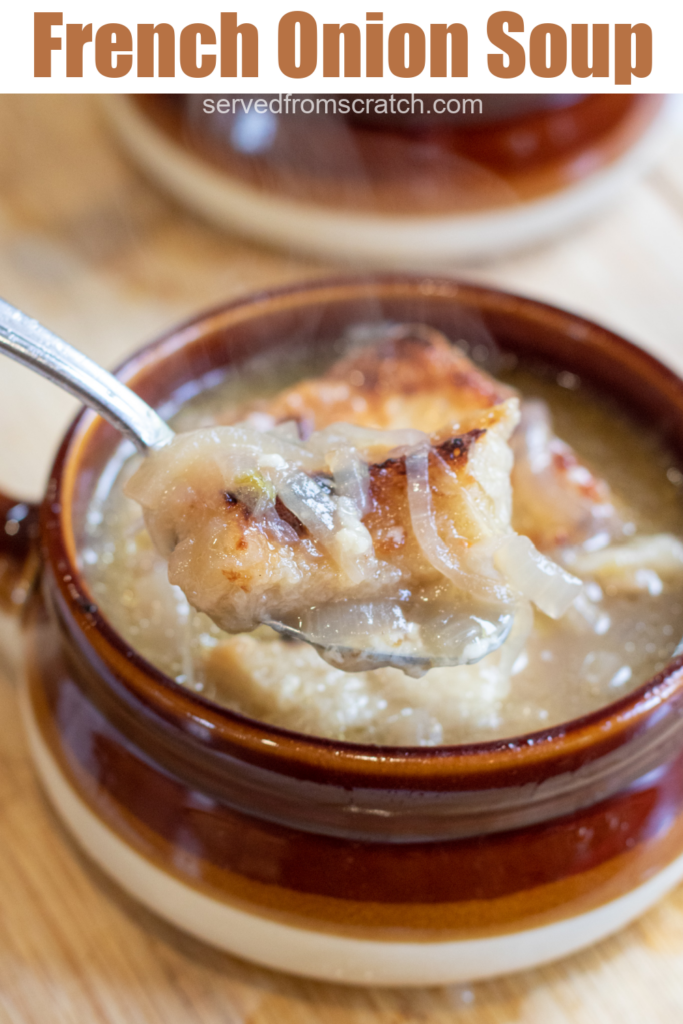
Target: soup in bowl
<point>365,825</point>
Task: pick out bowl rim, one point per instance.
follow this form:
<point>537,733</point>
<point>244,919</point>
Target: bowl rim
<point>222,728</point>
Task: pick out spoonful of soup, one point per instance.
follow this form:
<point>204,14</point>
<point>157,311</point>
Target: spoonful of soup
<point>380,547</point>
<point>376,543</point>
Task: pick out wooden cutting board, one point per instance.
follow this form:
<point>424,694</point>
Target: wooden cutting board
<point>90,248</point>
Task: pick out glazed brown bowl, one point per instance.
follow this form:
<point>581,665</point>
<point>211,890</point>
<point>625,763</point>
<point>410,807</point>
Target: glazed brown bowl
<point>403,189</point>
<point>329,859</point>
<point>387,163</point>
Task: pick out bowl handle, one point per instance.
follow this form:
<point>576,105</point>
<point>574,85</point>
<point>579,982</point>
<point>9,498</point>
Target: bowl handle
<point>18,551</point>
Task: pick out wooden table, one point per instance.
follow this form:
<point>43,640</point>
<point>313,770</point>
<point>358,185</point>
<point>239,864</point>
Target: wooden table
<point>90,248</point>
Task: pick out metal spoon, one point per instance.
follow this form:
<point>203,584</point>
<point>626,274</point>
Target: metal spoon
<point>33,345</point>
<point>416,664</point>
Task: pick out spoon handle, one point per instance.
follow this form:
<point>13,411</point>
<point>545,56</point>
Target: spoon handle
<point>34,346</point>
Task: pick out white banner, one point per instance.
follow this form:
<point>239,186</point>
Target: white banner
<point>330,46</point>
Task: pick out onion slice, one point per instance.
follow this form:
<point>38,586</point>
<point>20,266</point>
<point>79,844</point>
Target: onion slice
<point>424,528</point>
<point>351,477</point>
<point>548,585</point>
<point>365,437</point>
<point>311,504</point>
<point>334,521</point>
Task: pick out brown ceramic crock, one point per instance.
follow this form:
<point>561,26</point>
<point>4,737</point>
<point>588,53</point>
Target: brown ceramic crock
<point>400,866</point>
<point>524,147</point>
<point>407,189</point>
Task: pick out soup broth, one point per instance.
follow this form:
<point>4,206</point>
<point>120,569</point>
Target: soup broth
<point>609,642</point>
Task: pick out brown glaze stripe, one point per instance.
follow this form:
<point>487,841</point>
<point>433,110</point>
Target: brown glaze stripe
<point>334,806</point>
<point>370,919</point>
<point>521,880</point>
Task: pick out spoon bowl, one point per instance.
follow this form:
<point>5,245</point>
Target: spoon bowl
<point>488,638</point>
